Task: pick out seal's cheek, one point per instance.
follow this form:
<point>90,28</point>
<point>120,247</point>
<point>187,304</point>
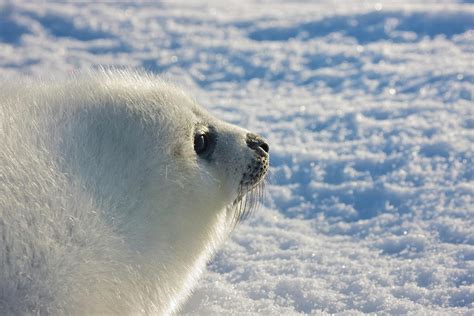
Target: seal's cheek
<point>178,151</point>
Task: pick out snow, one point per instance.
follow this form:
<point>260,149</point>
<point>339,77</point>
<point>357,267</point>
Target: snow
<point>368,109</point>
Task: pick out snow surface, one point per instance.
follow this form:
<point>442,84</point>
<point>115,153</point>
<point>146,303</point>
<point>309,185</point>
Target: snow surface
<point>368,108</point>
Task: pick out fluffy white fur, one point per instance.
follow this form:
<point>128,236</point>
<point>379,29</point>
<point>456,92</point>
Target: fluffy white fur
<point>105,208</point>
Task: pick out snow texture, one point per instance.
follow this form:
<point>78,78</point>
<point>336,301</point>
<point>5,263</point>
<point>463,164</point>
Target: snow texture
<point>368,109</point>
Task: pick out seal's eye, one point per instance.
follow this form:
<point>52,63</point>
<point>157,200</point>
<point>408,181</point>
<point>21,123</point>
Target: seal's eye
<point>201,143</point>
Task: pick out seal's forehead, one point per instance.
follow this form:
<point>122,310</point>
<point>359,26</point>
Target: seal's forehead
<point>197,110</point>
<point>201,115</point>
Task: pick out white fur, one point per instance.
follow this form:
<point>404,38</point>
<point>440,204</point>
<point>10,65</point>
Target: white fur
<point>105,207</point>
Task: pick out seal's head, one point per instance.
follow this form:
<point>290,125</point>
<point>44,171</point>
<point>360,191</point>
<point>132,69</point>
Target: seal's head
<point>170,179</point>
<point>132,184</point>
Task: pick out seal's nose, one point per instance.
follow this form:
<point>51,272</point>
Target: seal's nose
<point>257,143</point>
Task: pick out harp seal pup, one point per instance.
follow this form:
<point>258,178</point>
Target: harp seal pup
<point>115,189</point>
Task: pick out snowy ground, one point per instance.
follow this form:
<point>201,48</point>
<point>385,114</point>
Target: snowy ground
<point>369,112</point>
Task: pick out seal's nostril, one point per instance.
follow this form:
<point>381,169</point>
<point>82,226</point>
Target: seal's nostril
<point>265,147</point>
<point>255,141</point>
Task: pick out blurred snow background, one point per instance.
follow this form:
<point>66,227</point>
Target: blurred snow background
<point>368,108</point>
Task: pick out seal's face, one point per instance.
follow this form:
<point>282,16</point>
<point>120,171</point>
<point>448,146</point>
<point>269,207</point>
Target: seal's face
<point>239,158</point>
